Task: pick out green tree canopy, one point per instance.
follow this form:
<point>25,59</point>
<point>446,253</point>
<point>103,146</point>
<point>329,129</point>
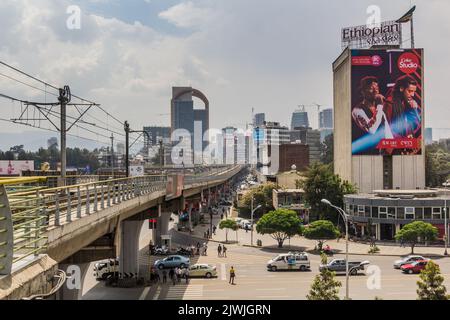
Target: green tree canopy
<point>328,150</point>
<point>324,286</point>
<point>415,231</point>
<point>437,169</point>
<point>321,230</point>
<point>227,225</point>
<point>280,224</point>
<point>262,195</point>
<point>431,283</point>
<point>321,183</point>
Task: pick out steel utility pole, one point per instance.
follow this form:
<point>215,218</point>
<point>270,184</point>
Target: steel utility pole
<point>112,155</point>
<point>127,151</point>
<point>161,154</point>
<point>64,98</point>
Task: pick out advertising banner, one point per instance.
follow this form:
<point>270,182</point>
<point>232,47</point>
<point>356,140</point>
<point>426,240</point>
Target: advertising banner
<point>15,167</point>
<point>386,102</point>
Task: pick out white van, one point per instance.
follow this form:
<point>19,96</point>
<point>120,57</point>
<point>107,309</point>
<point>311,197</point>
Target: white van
<point>289,261</point>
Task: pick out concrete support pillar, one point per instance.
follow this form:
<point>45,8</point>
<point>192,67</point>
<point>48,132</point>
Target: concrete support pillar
<point>129,246</point>
<point>362,231</point>
<point>378,231</point>
<point>76,274</point>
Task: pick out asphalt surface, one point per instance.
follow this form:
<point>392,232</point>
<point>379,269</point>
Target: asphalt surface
<point>253,281</point>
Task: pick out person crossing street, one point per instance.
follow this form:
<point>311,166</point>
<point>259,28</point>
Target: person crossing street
<point>219,250</point>
<point>232,275</point>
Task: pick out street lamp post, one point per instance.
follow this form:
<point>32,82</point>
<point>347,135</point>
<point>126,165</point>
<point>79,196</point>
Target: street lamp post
<point>345,218</point>
<point>446,228</point>
<point>253,211</point>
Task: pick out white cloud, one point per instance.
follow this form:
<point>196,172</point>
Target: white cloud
<point>186,15</point>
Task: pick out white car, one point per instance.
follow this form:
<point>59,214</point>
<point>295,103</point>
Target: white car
<point>407,260</point>
<point>105,268</point>
<point>243,223</point>
<point>289,261</point>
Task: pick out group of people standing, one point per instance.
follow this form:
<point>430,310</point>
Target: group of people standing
<point>222,251</point>
<point>174,274</point>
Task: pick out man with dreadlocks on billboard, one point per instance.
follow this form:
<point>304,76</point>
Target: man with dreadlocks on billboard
<point>403,111</point>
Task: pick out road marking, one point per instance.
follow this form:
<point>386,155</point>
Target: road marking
<point>214,290</point>
<point>144,293</point>
<point>158,292</point>
<point>223,272</point>
<point>271,289</point>
<point>184,292</point>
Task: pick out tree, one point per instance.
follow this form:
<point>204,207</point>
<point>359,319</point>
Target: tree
<point>415,231</point>
<point>321,183</point>
<point>262,195</point>
<point>280,224</point>
<point>321,230</point>
<point>328,149</point>
<point>437,167</point>
<point>324,286</point>
<point>431,285</point>
<point>228,224</point>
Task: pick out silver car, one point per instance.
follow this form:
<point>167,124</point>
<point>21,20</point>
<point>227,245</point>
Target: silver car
<point>407,260</point>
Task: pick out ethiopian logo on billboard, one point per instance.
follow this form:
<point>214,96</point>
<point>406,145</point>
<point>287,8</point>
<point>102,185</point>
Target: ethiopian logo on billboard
<point>387,107</point>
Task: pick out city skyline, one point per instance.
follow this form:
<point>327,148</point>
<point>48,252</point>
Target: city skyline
<point>194,43</point>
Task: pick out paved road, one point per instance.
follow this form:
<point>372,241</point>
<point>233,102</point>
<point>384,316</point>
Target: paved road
<point>253,281</point>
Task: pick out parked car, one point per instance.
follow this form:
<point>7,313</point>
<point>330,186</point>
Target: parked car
<point>243,223</point>
<point>105,268</point>
<point>238,220</point>
<point>414,267</point>
<point>202,270</point>
<point>407,260</point>
<point>339,266</point>
<point>172,262</point>
<point>289,261</point>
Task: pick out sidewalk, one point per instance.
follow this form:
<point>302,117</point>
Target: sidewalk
<point>244,238</point>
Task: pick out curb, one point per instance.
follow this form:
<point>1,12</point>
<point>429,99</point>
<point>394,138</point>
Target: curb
<point>361,254</point>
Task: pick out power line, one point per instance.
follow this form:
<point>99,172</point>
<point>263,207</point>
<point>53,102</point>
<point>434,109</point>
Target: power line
<point>53,130</point>
<point>54,87</point>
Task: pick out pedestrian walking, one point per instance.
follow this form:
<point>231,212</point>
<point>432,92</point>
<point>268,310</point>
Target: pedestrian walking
<point>224,251</point>
<point>164,276</point>
<point>172,276</point>
<point>207,234</point>
<point>214,229</point>
<point>219,250</point>
<point>186,275</point>
<point>178,274</point>
<point>232,275</point>
<point>198,248</point>
<point>221,216</point>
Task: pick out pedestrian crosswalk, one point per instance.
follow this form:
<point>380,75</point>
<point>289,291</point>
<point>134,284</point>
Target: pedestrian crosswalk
<point>184,292</point>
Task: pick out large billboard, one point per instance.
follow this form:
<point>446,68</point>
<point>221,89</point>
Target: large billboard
<point>387,108</point>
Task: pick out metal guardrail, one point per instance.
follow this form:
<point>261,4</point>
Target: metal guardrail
<point>21,220</point>
<point>28,208</point>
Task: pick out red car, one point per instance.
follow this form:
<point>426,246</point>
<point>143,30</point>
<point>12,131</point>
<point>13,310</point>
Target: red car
<point>414,267</point>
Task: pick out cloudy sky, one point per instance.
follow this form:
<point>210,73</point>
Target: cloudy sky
<point>272,55</point>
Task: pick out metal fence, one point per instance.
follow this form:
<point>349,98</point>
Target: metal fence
<point>28,208</point>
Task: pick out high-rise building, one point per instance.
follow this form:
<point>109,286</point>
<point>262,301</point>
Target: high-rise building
<point>275,133</point>
<point>309,137</point>
<point>428,136</point>
<point>195,122</point>
<point>326,119</point>
<point>300,119</point>
<point>155,134</point>
<point>370,155</point>
<point>259,120</point>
